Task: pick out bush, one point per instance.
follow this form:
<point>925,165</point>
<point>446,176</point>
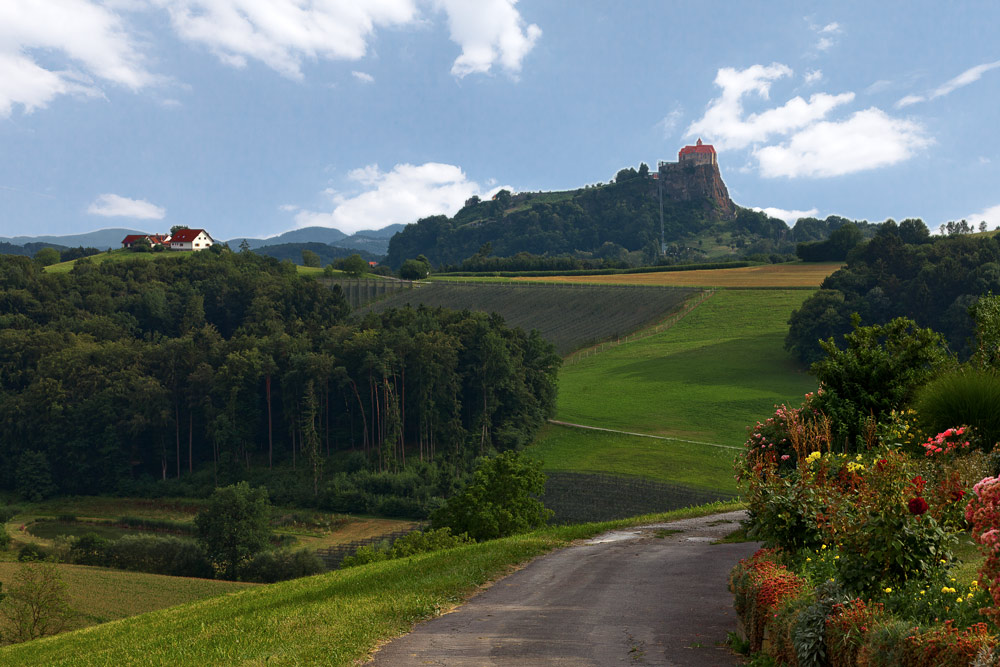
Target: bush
<point>760,585</point>
<point>969,396</point>
<point>234,526</point>
<point>498,501</point>
<point>9,512</point>
<point>31,552</point>
<point>267,567</point>
<point>417,542</point>
<point>88,549</point>
<point>4,538</point>
<point>846,628</point>
<point>158,554</point>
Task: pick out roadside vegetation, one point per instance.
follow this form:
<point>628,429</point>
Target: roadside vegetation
<point>869,508</point>
<point>336,618</point>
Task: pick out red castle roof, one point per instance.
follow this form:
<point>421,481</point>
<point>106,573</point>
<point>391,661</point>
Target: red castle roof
<point>698,148</point>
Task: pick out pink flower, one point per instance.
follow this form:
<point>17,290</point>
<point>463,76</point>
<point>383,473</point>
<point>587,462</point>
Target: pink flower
<point>785,457</point>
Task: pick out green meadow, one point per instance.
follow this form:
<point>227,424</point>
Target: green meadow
<point>565,449</point>
<point>705,379</point>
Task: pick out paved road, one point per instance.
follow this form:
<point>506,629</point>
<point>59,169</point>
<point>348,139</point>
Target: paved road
<point>633,597</point>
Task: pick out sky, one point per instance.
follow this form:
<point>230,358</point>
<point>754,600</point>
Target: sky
<point>255,117</point>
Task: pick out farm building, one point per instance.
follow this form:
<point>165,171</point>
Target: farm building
<point>191,239</point>
<point>153,239</point>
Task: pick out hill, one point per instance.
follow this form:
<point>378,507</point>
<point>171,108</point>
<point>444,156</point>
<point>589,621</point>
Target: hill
<point>374,241</point>
<point>327,253</point>
<point>101,239</point>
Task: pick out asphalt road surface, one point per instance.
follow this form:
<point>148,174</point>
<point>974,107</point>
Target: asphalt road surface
<point>642,596</point>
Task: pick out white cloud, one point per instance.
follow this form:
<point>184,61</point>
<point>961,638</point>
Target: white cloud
<point>812,76</point>
<point>827,35</point>
<point>283,34</point>
<point>724,122</point>
<point>970,75</point>
<point>790,216</point>
<point>364,77</point>
<point>402,195</point>
<point>489,32</point>
<point>110,205</point>
<point>85,38</point>
<point>670,122</point>
<point>990,215</point>
<point>867,140</point>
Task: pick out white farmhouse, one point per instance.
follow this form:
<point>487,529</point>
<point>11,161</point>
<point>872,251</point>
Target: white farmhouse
<point>191,239</point>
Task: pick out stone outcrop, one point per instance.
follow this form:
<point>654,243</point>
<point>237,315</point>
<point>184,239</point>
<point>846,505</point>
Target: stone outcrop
<point>696,183</point>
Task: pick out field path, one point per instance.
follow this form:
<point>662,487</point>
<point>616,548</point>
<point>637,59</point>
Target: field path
<point>641,435</point>
<point>631,597</point>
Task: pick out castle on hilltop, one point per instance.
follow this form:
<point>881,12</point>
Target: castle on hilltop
<point>695,179</point>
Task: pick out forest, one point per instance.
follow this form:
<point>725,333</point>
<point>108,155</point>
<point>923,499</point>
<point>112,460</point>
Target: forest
<point>177,375</point>
<point>901,272</point>
<point>607,225</point>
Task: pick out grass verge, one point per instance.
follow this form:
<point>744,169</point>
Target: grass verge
<point>336,618</point>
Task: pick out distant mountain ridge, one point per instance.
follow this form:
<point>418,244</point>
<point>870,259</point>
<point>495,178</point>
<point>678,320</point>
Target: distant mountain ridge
<point>374,241</point>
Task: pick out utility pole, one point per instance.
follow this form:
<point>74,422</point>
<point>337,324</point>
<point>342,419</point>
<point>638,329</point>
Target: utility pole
<point>659,191</point>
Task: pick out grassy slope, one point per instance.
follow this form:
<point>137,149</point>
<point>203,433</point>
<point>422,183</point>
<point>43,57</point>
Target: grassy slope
<point>565,449</point>
<point>767,275</point>
<point>100,595</point>
<point>336,618</point>
<point>718,370</point>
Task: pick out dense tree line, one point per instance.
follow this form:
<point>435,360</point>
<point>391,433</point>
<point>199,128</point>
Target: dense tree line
<point>612,224</point>
<point>121,373</point>
<point>901,272</point>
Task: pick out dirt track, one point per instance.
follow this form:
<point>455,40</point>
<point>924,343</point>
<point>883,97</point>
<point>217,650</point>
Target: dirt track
<point>631,597</point>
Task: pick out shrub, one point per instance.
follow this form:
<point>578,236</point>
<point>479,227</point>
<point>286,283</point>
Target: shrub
<point>268,567</point>
<point>809,632</point>
<point>968,396</point>
<point>417,542</point>
<point>759,585</point>
<point>35,604</point>
<point>498,501</point>
<point>158,554</point>
<point>31,552</point>
<point>885,644</point>
<point>88,549</point>
<point>234,526</point>
<point>946,646</point>
<point>9,512</point>
<point>846,628</point>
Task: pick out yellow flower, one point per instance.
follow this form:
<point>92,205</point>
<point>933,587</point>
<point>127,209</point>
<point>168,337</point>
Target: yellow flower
<point>888,590</point>
<point>813,457</point>
<point>974,584</point>
<point>824,547</point>
<point>923,592</point>
<point>943,561</point>
<point>836,557</point>
<point>808,560</point>
<point>958,600</point>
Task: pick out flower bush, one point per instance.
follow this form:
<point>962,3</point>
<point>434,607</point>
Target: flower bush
<point>760,584</point>
<point>874,530</point>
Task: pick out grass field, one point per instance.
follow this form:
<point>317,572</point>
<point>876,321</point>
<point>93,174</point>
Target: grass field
<point>336,618</point>
<point>707,378</point>
<point>99,595</point>
<point>768,275</point>
<point>565,449</point>
<point>569,317</point>
<point>719,369</point>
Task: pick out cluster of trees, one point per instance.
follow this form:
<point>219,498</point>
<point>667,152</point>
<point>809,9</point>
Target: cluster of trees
<point>625,214</point>
<point>901,272</point>
<point>121,373</point>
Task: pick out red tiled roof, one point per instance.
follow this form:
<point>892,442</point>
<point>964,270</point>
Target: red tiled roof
<point>185,235</point>
<point>132,238</point>
<point>698,148</point>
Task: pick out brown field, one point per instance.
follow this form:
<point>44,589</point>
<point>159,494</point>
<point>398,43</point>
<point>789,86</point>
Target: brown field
<point>769,275</point>
<point>99,595</point>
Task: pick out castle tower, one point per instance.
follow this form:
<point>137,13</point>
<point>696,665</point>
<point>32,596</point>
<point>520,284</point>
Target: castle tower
<point>698,154</point>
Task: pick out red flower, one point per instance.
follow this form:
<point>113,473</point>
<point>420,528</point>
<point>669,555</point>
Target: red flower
<point>919,483</point>
<point>917,506</point>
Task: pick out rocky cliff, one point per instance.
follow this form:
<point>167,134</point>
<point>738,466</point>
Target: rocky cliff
<point>697,184</point>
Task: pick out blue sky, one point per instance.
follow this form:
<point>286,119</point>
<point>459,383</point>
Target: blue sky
<point>253,117</point>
